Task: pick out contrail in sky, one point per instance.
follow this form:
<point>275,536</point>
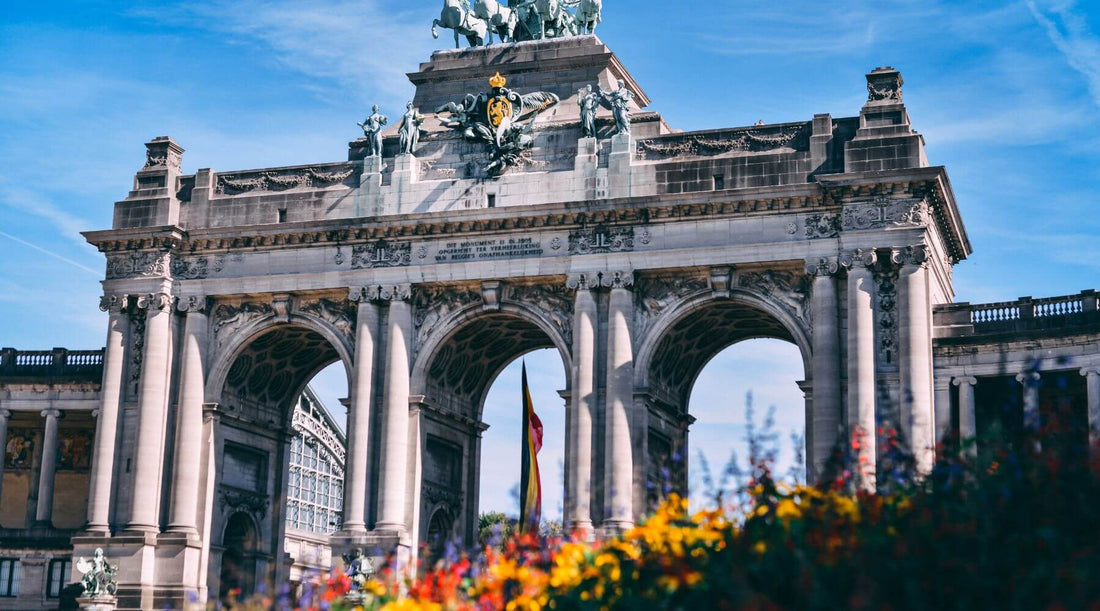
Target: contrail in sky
<point>48,252</point>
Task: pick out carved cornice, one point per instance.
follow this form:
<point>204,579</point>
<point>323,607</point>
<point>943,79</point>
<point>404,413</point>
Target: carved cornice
<point>155,301</point>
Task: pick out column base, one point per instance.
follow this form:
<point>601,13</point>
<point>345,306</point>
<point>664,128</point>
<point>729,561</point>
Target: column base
<point>613,528</point>
<point>582,530</point>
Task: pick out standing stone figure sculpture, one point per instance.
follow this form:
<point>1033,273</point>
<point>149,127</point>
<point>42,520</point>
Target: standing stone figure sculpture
<point>98,576</point>
<point>619,102</point>
<point>458,16</point>
<point>589,100</point>
<point>409,131</point>
<point>372,129</point>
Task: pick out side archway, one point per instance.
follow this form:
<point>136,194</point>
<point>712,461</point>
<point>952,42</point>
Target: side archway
<point>676,349</point>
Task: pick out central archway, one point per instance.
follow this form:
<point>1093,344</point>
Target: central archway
<point>453,372</point>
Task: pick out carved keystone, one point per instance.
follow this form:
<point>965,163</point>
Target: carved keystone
<point>490,296</point>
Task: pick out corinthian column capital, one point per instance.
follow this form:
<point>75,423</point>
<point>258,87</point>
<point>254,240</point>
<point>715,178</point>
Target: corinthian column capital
<point>192,304</point>
<point>860,258</point>
<point>582,281</point>
<point>824,266</point>
<point>385,292</point>
<point>618,279</point>
<point>114,303</point>
<point>916,256</point>
<point>155,301</point>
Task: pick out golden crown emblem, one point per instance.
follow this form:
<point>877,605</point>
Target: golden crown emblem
<point>497,80</point>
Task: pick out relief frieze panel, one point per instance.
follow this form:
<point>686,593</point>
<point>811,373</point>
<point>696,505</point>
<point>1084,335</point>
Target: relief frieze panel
<point>790,290</point>
<point>431,304</point>
<point>553,301</point>
<point>340,314</point>
<point>281,180</point>
<point>145,264</point>
<point>885,212</point>
<point>656,294</point>
<point>601,239</point>
<point>378,254</point>
<point>228,318</point>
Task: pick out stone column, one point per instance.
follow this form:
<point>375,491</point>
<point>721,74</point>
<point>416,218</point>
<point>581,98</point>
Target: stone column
<point>619,463</point>
<point>827,410</point>
<point>915,354</point>
<point>968,421</point>
<point>395,414</point>
<point>44,512</point>
<point>1031,381</point>
<point>4,415</point>
<point>106,430</point>
<point>1092,383</point>
<point>942,387</point>
<point>861,362</point>
<point>355,468</point>
<point>579,467</point>
<point>185,474</point>
<point>145,500</point>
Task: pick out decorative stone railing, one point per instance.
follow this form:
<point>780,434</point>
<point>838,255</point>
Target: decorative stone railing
<point>59,363</point>
<point>1024,314</point>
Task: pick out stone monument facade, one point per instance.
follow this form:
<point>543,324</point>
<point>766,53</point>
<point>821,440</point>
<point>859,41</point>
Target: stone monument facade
<point>634,250</point>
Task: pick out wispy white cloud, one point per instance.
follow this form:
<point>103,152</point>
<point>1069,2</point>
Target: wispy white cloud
<point>1070,33</point>
<point>50,253</point>
<point>357,48</point>
<point>25,201</point>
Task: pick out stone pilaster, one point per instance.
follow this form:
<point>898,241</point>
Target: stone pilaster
<point>968,421</point>
<point>943,408</point>
<point>828,413</point>
<point>1031,380</point>
<point>395,414</point>
<point>578,487</point>
<point>152,401</point>
<point>1092,384</point>
<point>189,418</point>
<point>355,467</point>
<point>861,362</point>
<point>915,354</point>
<point>5,414</point>
<point>106,431</point>
<point>619,462</point>
<point>48,469</point>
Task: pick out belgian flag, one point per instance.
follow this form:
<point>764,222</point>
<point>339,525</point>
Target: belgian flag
<point>530,505</point>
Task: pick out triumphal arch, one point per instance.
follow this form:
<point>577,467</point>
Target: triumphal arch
<point>527,199</point>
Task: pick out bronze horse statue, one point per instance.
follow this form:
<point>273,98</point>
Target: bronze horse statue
<point>500,19</point>
<point>458,16</point>
<point>589,14</point>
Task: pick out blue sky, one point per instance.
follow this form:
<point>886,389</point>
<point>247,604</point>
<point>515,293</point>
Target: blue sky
<point>1007,95</point>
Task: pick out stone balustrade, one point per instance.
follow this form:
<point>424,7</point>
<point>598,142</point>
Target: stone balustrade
<point>57,364</point>
<point>1067,312</point>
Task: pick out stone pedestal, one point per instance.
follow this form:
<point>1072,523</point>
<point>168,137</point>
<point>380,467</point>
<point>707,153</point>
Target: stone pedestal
<point>618,165</point>
<point>97,603</point>
<point>405,169</point>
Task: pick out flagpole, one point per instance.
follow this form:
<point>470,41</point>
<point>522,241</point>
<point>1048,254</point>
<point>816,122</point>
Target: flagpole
<point>525,454</point>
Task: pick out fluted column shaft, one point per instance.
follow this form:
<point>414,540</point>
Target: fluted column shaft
<point>968,418</point>
<point>4,415</point>
<point>185,474</point>
<point>44,512</point>
<point>355,469</point>
<point>942,408</point>
<point>861,364</point>
<point>583,398</point>
<point>827,409</point>
<point>145,487</point>
<point>619,464</point>
<point>395,418</point>
<point>106,430</point>
<point>915,352</point>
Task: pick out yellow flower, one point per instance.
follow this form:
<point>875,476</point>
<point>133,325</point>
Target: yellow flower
<point>787,510</point>
<point>760,548</point>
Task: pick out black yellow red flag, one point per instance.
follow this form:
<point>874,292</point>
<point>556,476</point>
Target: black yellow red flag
<point>530,507</point>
